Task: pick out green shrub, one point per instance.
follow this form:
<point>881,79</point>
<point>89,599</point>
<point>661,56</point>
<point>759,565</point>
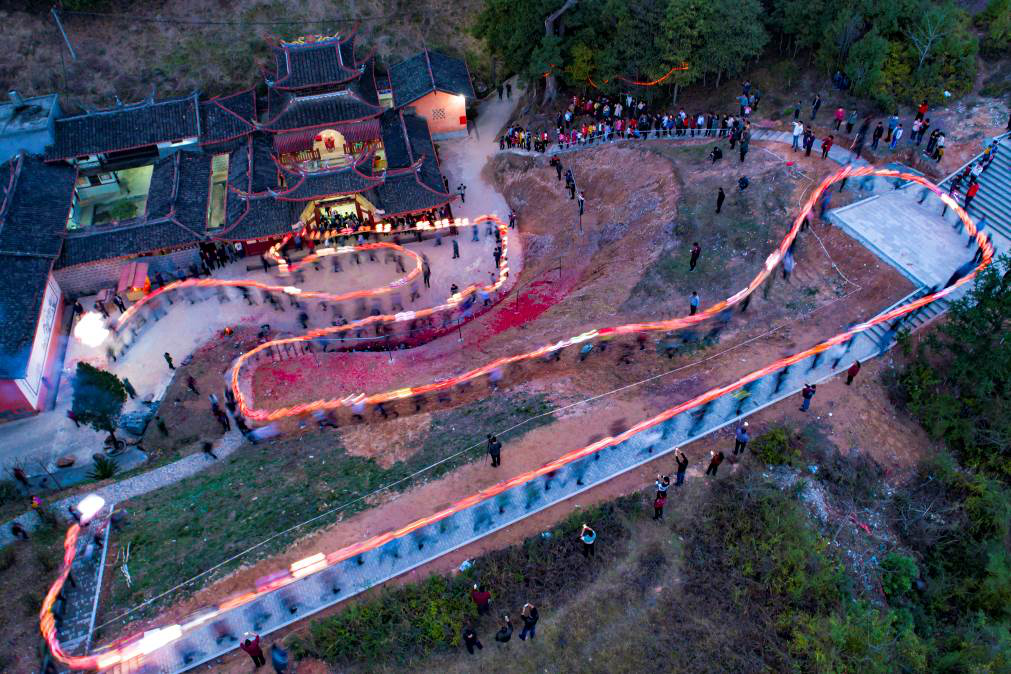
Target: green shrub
<point>777,446</point>
<point>122,210</point>
<point>898,572</point>
<point>104,468</point>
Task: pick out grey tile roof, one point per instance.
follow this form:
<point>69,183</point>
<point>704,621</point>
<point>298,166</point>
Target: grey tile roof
<point>126,127</point>
<point>34,206</point>
<point>422,148</point>
<point>264,216</point>
<point>175,216</point>
<point>226,117</point>
<point>303,112</point>
<point>398,155</point>
<point>429,71</point>
<point>21,296</point>
<point>300,66</point>
<point>404,193</point>
<point>348,180</point>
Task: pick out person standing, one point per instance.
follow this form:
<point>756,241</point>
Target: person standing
<point>714,462</point>
<point>840,115</point>
<point>279,659</point>
<point>581,201</point>
<point>720,198</point>
<point>796,111</point>
<point>494,451</point>
<point>921,110</point>
<point>658,503</point>
<point>130,390</point>
<point>682,466</point>
<point>896,136</point>
<point>470,639</point>
<point>808,142</point>
<point>556,162</point>
<point>693,303</point>
<point>815,105</point>
<point>798,132</point>
<point>168,359</point>
<point>588,537</point>
<point>851,120</point>
<point>826,145</point>
<point>662,485</point>
<point>456,250</point>
<point>788,264</point>
<point>118,301</point>
<point>852,372</point>
<point>509,90</point>
<point>505,633</point>
<point>426,273</point>
<point>530,618</point>
<point>807,393</point>
<point>251,645</point>
<point>970,194</point>
<point>694,259</point>
<point>893,122</point>
<point>481,598</point>
<point>741,438</point>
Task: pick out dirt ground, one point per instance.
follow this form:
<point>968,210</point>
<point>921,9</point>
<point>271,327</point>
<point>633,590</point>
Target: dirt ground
<point>599,271</point>
<point>169,49</point>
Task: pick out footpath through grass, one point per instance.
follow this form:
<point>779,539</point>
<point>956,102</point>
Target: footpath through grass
<point>179,531</point>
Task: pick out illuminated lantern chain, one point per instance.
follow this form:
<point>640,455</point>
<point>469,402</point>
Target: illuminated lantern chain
<point>138,645</point>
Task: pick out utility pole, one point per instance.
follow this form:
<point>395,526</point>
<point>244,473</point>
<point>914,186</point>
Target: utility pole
<point>66,40</point>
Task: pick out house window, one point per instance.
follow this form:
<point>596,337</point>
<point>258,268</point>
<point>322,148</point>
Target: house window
<point>439,113</point>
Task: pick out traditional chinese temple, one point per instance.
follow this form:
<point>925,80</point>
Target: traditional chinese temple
<point>87,194</point>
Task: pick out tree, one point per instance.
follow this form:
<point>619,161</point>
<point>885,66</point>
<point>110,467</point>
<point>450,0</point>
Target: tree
<point>995,20</point>
<point>550,48</point>
<point>926,33</point>
<point>98,399</point>
<point>866,62</point>
<point>579,66</point>
<point>731,33</point>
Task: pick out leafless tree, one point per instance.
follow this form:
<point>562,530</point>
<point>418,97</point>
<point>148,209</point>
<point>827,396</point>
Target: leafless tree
<point>929,30</point>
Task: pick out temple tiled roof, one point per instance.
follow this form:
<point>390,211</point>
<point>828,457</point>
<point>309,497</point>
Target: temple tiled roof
<point>175,216</point>
<point>405,193</point>
<point>126,127</point>
<point>303,112</point>
<point>224,118</point>
<point>323,62</point>
<point>34,206</point>
<point>317,184</point>
<point>21,294</point>
<point>426,72</point>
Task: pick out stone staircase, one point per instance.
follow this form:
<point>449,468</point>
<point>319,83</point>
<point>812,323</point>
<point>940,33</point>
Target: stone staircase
<point>994,197</point>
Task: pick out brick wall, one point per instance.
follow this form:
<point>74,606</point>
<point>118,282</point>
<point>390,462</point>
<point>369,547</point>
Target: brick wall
<point>88,279</point>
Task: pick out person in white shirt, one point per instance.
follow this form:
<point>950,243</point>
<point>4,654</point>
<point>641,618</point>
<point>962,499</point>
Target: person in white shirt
<point>798,131</point>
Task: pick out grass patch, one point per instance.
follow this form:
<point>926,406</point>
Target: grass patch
<point>414,621</point>
<point>732,241</point>
<point>179,531</point>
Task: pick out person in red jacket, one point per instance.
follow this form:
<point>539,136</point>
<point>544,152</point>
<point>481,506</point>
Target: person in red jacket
<point>852,372</point>
<point>251,644</point>
<point>826,145</point>
<point>482,599</point>
<point>970,194</point>
<point>922,110</point>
